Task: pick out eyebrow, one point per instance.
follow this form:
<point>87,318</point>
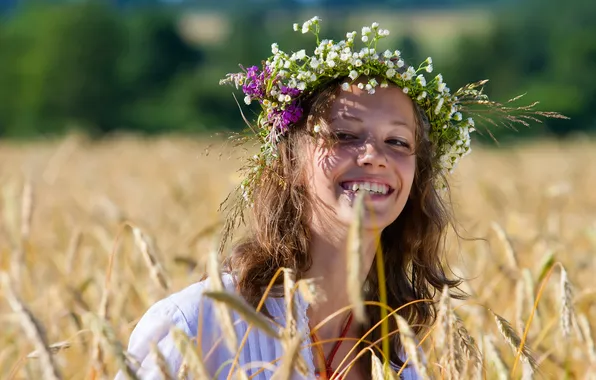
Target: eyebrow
<point>359,120</point>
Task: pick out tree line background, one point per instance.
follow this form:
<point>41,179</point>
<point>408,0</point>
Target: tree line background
<point>150,67</point>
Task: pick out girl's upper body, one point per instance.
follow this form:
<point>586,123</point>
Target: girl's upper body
<point>335,125</point>
<point>184,309</point>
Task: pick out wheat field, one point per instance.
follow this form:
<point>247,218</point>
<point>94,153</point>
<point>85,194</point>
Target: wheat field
<point>151,205</point>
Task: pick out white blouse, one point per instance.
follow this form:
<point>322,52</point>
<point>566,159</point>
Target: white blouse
<point>182,310</point>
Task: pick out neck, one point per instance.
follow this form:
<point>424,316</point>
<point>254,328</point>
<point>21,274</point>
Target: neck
<point>329,268</point>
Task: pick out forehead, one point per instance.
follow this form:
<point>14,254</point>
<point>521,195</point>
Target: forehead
<point>386,106</point>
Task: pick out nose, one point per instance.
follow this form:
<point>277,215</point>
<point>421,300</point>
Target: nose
<point>370,155</point>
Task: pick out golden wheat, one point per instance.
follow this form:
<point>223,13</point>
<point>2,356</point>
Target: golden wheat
<point>60,241</point>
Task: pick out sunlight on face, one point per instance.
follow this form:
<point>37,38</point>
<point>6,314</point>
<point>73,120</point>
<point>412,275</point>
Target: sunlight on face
<point>374,153</point>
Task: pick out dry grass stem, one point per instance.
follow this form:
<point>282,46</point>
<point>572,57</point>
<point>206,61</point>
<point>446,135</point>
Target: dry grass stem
<point>147,249</point>
<point>567,310</point>
<point>495,358</point>
<point>250,315</point>
<point>354,259</point>
<point>26,211</point>
<point>222,313</point>
<point>33,329</point>
<point>53,348</point>
<point>514,340</point>
<point>289,360</point>
<point>161,362</point>
<point>408,339</point>
<point>508,251</point>
<point>192,360</point>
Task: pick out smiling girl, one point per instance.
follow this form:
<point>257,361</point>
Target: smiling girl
<point>335,124</point>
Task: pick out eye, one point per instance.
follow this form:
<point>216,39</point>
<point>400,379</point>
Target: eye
<point>398,143</point>
<point>344,136</point>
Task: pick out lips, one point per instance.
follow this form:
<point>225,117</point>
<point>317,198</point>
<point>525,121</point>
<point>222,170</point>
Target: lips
<point>375,187</point>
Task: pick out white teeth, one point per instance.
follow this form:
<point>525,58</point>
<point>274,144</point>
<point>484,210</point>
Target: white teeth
<point>372,187</point>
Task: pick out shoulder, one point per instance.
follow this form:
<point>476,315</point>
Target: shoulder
<point>181,310</point>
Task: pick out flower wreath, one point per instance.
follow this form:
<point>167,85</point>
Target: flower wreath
<point>286,79</point>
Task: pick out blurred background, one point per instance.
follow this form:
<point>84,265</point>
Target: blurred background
<point>153,66</point>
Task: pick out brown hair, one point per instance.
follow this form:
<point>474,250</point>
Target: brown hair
<point>412,244</point>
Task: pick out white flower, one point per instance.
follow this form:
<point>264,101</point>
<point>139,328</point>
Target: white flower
<point>360,86</point>
<point>421,96</point>
<point>375,56</point>
<point>313,77</point>
<point>287,64</point>
<point>350,35</point>
<point>314,63</point>
<point>365,30</point>
<point>390,73</point>
<point>429,68</point>
<point>344,57</point>
<point>301,54</point>
<point>332,55</point>
<point>441,86</point>
<point>439,106</point>
<point>397,53</point>
<point>330,63</point>
<point>247,100</point>
<point>471,122</point>
<point>390,64</point>
<point>281,97</point>
<point>429,60</point>
<point>457,116</point>
<point>384,84</point>
<point>296,27</point>
<point>387,54</point>
<point>373,82</point>
<point>305,27</point>
<point>420,79</point>
<point>301,86</point>
<point>364,38</point>
<point>358,63</point>
<point>439,78</point>
<point>345,86</point>
<point>368,87</point>
<point>366,71</point>
<point>353,74</point>
<point>274,48</point>
<point>375,25</point>
<point>400,63</point>
<point>317,128</point>
<point>383,32</point>
<point>288,98</point>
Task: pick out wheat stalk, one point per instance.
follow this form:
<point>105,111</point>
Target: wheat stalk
<point>26,211</point>
<point>567,312</point>
<point>33,329</point>
<point>513,339</point>
<point>408,339</point>
<point>354,259</point>
<point>249,314</point>
<point>161,362</point>
<point>506,244</point>
<point>221,312</point>
<point>53,348</point>
<point>584,325</point>
<point>191,358</point>
<point>289,359</point>
<point>148,251</point>
<point>495,357</point>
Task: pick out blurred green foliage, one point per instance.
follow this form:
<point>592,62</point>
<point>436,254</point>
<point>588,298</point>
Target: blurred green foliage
<point>101,69</point>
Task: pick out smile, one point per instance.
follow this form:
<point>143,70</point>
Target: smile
<point>370,187</point>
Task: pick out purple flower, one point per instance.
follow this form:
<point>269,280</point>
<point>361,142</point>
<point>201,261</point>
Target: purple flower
<point>255,84</point>
<point>280,120</point>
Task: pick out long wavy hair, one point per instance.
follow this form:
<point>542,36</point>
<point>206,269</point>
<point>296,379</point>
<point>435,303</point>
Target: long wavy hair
<point>412,245</point>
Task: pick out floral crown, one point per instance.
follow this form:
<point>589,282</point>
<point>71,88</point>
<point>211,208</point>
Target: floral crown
<point>285,80</point>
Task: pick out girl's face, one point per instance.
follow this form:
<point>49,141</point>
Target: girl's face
<point>374,154</point>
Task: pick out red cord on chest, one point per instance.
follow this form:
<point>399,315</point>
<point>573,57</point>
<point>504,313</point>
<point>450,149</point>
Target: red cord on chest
<point>329,361</point>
